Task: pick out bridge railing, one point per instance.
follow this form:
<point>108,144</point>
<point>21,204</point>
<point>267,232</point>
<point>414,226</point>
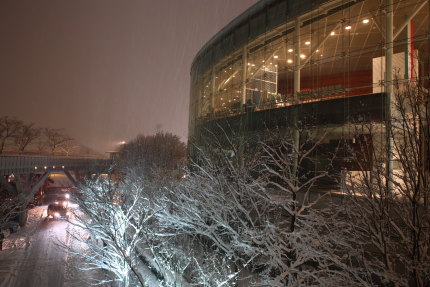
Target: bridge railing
<point>38,164</point>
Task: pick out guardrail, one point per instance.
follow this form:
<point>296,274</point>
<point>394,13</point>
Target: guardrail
<point>39,164</point>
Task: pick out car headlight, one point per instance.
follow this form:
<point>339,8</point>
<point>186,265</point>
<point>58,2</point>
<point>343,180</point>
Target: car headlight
<point>56,214</point>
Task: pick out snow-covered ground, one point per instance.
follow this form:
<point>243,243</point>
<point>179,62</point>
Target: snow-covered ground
<point>33,256</point>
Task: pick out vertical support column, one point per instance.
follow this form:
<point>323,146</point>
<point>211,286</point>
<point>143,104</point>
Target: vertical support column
<point>244,73</point>
<point>199,101</point>
<point>213,90</point>
<point>71,179</point>
<point>389,88</point>
<point>297,67</point>
<point>78,176</point>
<point>241,149</point>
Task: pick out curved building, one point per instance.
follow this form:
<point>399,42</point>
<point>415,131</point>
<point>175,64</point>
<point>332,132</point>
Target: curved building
<point>324,59</point>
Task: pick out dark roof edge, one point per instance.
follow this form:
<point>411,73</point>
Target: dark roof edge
<point>236,22</point>
<point>254,9</point>
<point>297,8</point>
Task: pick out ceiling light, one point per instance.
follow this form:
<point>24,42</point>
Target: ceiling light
<point>289,61</point>
<point>317,50</point>
<point>307,42</point>
<point>332,33</point>
<point>365,21</point>
<point>290,50</point>
<point>276,57</point>
<point>302,56</point>
<point>348,27</point>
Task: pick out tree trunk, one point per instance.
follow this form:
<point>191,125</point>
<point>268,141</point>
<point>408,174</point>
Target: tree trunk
<point>22,218</point>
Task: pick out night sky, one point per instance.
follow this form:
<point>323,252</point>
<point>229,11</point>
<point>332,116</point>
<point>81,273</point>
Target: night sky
<point>104,70</point>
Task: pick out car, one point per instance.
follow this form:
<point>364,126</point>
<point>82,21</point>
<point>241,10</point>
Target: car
<point>54,194</point>
<point>58,210</point>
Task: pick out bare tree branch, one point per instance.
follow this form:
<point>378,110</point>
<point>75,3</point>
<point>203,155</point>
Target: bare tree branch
<point>9,127</point>
<point>26,135</point>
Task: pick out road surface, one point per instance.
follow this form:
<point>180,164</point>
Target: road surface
<point>34,256</point>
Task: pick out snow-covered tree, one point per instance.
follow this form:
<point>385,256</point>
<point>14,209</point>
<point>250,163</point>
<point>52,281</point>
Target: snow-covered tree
<point>15,194</point>
<point>307,249</point>
<point>156,155</point>
<point>11,206</point>
<point>236,218</point>
<point>112,219</point>
<point>210,209</point>
<point>255,213</point>
<point>389,211</point>
<point>118,226</point>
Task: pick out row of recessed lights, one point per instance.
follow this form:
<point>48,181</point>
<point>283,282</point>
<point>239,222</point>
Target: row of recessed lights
<point>45,167</point>
<point>349,27</point>
<point>289,61</point>
<point>303,56</point>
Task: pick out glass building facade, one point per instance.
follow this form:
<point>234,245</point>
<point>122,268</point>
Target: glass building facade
<point>325,58</point>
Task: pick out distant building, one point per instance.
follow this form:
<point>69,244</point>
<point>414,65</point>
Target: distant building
<point>325,59</point>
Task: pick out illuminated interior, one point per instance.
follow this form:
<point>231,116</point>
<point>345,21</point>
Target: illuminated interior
<point>339,51</point>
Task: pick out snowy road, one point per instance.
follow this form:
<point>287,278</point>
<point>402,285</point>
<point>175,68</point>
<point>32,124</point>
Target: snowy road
<point>33,257</point>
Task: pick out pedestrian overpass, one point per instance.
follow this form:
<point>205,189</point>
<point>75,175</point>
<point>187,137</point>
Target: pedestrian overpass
<point>15,164</point>
<point>22,175</point>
